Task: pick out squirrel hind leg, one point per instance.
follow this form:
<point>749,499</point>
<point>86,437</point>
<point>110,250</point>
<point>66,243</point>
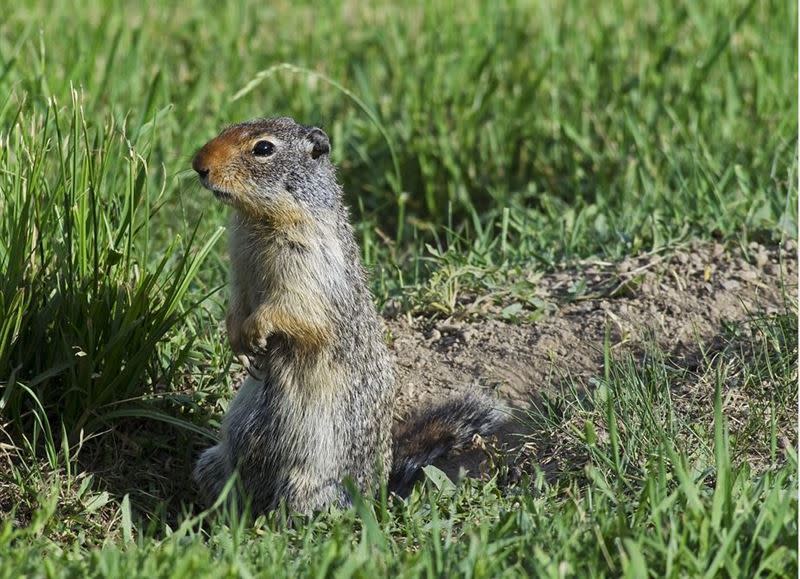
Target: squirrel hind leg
<point>321,497</point>
<point>212,472</point>
<point>446,427</point>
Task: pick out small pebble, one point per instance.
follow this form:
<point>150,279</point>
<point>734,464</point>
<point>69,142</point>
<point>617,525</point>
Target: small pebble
<point>748,275</point>
<point>730,284</point>
<point>762,257</point>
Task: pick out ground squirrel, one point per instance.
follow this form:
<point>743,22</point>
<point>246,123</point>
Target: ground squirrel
<point>318,405</point>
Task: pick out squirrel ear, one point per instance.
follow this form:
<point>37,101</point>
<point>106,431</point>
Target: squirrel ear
<point>318,143</point>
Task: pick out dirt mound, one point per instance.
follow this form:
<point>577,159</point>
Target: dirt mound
<point>677,299</point>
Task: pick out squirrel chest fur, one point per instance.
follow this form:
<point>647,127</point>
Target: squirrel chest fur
<point>317,407</point>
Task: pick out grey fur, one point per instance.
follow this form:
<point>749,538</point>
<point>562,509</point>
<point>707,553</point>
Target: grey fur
<point>318,408</point>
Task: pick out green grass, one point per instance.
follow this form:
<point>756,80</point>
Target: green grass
<point>640,490</point>
<point>479,144</point>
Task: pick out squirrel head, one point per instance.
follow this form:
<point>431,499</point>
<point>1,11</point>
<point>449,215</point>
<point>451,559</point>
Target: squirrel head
<point>270,168</point>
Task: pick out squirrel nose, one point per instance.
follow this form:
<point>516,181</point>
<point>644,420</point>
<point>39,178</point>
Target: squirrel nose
<point>200,167</point>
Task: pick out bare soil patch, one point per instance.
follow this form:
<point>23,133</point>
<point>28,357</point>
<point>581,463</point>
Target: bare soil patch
<point>677,300</point>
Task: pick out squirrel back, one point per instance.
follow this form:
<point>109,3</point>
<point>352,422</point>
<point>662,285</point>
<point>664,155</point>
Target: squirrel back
<point>319,403</point>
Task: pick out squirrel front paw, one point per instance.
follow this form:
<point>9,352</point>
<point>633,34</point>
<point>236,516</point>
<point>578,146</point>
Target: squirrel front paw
<point>253,335</point>
<point>248,337</point>
<point>252,366</point>
<point>233,323</point>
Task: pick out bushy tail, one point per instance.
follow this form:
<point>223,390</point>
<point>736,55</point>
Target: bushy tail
<point>444,428</point>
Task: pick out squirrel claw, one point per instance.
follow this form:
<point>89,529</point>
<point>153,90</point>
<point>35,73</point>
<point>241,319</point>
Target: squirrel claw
<point>251,366</point>
<point>254,336</point>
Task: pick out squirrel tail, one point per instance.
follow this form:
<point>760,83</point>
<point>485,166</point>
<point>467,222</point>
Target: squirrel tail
<point>446,427</point>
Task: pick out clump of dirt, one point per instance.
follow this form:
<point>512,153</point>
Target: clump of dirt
<point>678,300</point>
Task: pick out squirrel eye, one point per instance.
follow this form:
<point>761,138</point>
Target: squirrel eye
<point>263,149</point>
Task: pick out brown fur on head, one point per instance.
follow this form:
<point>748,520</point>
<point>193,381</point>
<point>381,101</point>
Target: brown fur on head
<point>272,168</point>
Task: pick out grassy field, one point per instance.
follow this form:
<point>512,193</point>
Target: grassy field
<point>475,141</point>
